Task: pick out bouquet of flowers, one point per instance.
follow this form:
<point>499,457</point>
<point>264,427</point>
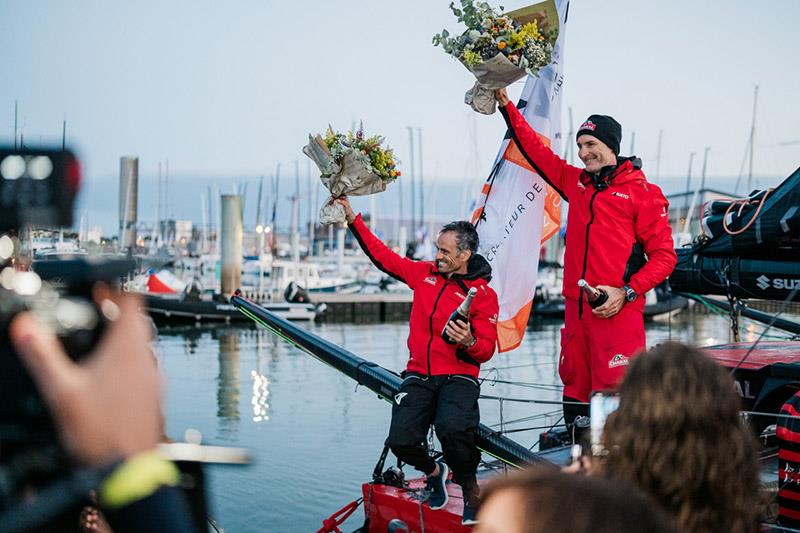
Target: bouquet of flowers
<point>500,48</point>
<point>352,164</point>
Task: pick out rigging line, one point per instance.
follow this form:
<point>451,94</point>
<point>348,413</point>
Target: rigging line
<point>788,299</point>
<point>529,400</point>
<point>529,418</point>
<point>768,415</point>
<point>542,363</point>
<point>532,385</point>
<point>520,430</point>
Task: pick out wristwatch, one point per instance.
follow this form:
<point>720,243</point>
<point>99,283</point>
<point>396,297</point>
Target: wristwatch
<point>473,343</point>
<point>630,294</point>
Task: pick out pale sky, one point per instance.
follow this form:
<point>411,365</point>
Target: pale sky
<point>230,89</point>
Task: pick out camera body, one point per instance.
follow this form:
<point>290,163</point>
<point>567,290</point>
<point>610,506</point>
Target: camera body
<point>59,294</point>
<point>38,189</point>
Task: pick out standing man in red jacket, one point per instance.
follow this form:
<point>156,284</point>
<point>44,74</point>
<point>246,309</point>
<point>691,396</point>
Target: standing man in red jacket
<point>618,239</point>
<point>440,383</point>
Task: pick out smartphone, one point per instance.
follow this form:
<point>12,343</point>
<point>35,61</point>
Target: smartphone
<point>601,405</point>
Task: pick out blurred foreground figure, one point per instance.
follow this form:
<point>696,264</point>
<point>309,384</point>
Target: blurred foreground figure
<point>549,501</point>
<point>679,438</point>
<point>107,410</point>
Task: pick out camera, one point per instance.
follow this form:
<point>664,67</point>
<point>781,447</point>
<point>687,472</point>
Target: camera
<point>38,189</point>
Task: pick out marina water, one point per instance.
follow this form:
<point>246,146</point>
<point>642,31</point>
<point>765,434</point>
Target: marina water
<point>315,437</point>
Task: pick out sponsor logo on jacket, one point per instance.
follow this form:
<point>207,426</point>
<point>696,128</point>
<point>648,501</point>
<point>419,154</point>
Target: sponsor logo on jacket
<point>618,360</point>
<point>621,195</point>
<point>430,279</point>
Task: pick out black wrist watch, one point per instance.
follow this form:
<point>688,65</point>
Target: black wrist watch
<point>630,294</point>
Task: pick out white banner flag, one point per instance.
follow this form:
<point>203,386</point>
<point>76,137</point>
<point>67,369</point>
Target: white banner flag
<point>517,210</point>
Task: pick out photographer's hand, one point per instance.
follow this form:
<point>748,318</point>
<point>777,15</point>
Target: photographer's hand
<point>108,407</point>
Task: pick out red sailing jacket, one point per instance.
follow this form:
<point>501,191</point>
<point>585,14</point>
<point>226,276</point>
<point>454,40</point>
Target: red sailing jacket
<point>604,226</point>
<point>788,432</point>
<point>435,299</point>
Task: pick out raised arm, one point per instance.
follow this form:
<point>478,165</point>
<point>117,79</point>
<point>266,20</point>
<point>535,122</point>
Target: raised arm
<point>400,268</point>
<point>554,170</point>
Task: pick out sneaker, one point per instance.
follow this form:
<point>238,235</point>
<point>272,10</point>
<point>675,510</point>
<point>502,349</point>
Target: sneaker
<point>470,515</point>
<point>437,497</point>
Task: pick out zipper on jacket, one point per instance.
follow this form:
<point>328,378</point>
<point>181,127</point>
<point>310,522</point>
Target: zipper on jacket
<point>430,324</point>
<point>586,251</point>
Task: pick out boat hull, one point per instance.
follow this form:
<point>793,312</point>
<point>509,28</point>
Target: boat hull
<point>166,308</point>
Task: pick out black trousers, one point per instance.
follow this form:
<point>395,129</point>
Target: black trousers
<point>448,402</point>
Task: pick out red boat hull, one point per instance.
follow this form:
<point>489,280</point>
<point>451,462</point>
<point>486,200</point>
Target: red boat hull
<point>384,504</point>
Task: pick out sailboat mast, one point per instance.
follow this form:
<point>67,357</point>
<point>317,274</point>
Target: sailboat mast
<point>15,124</point>
<point>421,186</point>
<point>159,236</point>
<point>658,155</point>
<point>688,187</point>
<point>296,217</point>
<point>752,142</point>
<point>311,203</point>
<point>166,190</point>
<point>411,176</point>
<point>258,203</point>
<point>259,228</point>
<point>703,175</point>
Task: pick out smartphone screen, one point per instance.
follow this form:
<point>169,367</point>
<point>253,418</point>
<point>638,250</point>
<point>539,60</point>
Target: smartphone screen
<point>601,405</point>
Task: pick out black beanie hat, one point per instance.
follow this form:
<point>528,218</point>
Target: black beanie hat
<point>605,129</point>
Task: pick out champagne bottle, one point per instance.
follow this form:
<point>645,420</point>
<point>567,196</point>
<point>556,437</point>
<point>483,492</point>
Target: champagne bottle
<point>460,315</point>
<point>595,297</point>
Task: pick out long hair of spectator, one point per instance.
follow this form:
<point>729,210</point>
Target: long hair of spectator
<point>679,437</point>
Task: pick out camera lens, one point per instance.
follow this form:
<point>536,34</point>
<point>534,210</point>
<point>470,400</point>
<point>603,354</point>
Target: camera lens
<point>12,167</point>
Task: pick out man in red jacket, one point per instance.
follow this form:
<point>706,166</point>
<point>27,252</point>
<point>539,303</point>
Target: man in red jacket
<point>618,239</point>
<point>440,383</point>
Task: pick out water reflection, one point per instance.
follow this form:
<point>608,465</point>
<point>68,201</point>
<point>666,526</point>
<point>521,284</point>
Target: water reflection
<point>228,381</point>
<point>260,381</point>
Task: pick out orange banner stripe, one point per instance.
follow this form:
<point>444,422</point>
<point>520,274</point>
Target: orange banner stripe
<point>511,331</point>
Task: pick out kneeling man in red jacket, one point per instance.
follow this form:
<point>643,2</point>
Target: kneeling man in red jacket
<point>440,384</point>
